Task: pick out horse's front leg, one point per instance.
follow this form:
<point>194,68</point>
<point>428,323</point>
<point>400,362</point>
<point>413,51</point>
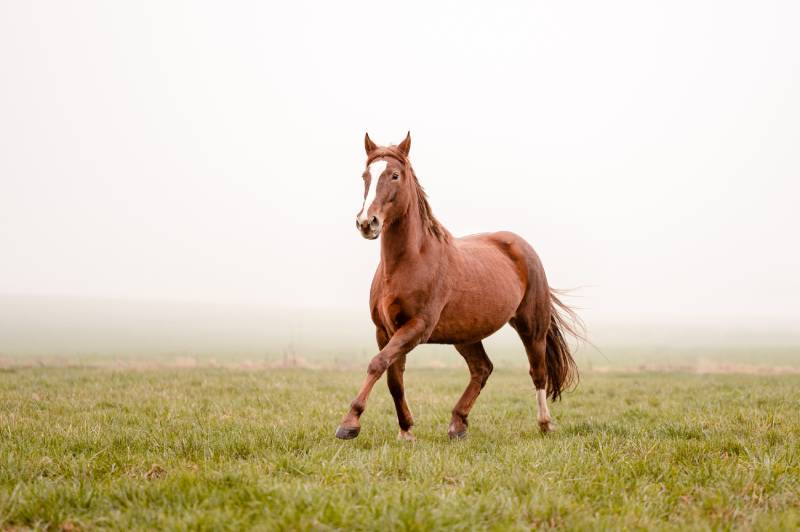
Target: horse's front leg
<point>403,341</point>
<point>394,377</point>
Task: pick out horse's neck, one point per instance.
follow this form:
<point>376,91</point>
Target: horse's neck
<point>406,239</point>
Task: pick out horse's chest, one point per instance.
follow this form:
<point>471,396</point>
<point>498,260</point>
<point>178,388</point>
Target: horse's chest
<point>394,314</point>
<point>397,303</point>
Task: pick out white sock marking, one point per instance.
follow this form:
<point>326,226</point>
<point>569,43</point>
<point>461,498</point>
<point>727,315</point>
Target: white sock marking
<point>541,399</point>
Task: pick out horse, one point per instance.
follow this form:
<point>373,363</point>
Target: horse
<point>430,287</point>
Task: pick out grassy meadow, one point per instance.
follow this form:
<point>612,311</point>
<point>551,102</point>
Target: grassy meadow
<point>221,448</point>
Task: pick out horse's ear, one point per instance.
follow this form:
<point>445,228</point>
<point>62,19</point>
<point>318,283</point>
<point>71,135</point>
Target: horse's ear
<point>405,146</point>
<point>368,144</point>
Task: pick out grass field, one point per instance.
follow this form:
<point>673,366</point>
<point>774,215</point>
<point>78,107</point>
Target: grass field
<point>204,448</point>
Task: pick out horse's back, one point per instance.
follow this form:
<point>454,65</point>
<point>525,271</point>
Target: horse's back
<point>487,280</point>
<point>510,245</point>
<point>533,313</point>
<point>527,265</point>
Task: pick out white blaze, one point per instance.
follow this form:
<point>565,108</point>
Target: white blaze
<point>375,170</point>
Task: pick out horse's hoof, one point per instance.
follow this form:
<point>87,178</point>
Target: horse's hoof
<point>460,435</point>
<point>546,426</point>
<point>457,429</point>
<point>347,433</point>
<point>405,435</point>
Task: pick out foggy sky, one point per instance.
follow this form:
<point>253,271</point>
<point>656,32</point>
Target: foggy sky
<point>213,151</point>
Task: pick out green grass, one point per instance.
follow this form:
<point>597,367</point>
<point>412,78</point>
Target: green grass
<point>230,449</point>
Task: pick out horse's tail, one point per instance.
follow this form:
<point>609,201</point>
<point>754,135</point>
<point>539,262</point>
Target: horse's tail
<point>562,372</point>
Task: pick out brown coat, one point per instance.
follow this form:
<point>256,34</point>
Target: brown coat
<point>433,288</point>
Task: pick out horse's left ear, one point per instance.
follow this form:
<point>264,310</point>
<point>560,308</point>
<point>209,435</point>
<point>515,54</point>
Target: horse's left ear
<point>369,146</point>
<point>405,146</point>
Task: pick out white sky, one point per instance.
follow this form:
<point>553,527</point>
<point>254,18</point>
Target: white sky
<point>213,151</point>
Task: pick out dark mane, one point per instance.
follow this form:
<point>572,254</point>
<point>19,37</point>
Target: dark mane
<point>429,221</point>
<point>426,213</point>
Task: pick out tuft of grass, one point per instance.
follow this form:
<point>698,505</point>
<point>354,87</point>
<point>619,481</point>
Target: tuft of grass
<point>204,448</point>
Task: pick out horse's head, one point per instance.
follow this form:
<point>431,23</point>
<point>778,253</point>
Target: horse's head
<point>387,186</point>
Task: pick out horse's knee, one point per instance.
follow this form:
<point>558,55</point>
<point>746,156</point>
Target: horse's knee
<point>377,367</point>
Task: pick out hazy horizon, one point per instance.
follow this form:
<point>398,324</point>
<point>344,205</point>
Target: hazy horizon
<point>212,154</point>
<point>52,329</point>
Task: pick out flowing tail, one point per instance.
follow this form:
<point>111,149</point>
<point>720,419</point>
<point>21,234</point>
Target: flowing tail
<point>562,372</point>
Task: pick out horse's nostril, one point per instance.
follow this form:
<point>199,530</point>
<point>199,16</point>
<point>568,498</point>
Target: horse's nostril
<point>373,222</point>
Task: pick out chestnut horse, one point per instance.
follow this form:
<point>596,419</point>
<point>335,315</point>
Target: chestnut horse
<point>433,288</point>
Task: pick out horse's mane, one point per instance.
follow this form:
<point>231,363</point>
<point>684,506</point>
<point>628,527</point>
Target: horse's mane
<point>429,221</point>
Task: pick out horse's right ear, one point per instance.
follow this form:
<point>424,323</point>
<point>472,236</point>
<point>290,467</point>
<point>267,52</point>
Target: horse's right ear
<point>368,144</point>
<point>405,146</point>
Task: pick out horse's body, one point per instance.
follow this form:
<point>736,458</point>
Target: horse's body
<point>433,288</point>
<point>488,271</point>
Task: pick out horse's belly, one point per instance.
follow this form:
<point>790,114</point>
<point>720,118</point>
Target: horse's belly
<point>472,315</point>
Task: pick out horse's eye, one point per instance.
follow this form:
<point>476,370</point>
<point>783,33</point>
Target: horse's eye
<point>395,176</point>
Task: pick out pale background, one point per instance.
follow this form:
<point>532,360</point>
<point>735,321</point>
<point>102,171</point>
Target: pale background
<point>195,167</point>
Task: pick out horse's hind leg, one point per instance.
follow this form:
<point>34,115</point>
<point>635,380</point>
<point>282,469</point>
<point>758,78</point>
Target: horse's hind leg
<point>536,348</point>
<point>536,358</point>
<point>394,378</point>
<point>480,367</point>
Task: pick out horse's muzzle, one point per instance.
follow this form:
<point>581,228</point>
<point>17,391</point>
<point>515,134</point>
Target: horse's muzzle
<point>369,228</point>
